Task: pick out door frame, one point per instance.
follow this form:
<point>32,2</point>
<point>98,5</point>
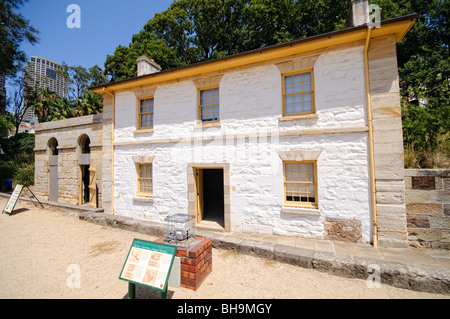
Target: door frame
<point>53,178</point>
<point>194,194</point>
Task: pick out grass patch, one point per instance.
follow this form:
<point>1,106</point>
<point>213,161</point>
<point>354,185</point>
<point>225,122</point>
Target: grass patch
<point>104,248</point>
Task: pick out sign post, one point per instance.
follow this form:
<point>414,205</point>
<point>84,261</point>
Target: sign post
<point>13,199</point>
<point>148,264</point>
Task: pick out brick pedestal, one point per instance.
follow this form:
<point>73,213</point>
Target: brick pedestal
<point>196,262</point>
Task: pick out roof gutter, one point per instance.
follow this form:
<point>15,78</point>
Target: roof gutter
<point>370,139</point>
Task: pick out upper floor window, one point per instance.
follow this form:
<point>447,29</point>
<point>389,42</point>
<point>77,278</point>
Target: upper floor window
<point>146,113</point>
<point>298,93</point>
<point>209,105</point>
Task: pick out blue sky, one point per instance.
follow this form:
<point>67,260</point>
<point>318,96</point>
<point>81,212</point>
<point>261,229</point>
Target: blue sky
<point>105,24</point>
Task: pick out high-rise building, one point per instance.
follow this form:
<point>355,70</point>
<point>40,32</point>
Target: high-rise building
<point>43,73</point>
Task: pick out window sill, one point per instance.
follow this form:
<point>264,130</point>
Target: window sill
<point>143,199</point>
<point>143,131</point>
<point>286,118</point>
<point>201,124</point>
<point>300,211</point>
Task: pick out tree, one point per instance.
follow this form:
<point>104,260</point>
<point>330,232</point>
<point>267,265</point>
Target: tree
<point>191,31</point>
<point>122,64</point>
<point>23,98</point>
<point>14,29</point>
<point>89,103</point>
<point>97,76</point>
<point>43,100</point>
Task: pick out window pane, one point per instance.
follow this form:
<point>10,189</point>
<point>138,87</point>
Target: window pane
<point>288,89</point>
<point>288,80</point>
<point>307,86</point>
<point>216,99</point>
<point>288,99</point>
<point>151,105</point>
<point>307,107</point>
<point>307,77</point>
<point>203,110</point>
<point>297,78</point>
<point>298,88</point>
<point>307,97</point>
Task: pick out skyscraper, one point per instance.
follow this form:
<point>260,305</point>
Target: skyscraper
<point>43,73</point>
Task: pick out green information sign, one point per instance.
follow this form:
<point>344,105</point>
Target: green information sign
<point>148,264</point>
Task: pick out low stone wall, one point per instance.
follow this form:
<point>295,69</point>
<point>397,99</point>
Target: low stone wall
<point>427,193</point>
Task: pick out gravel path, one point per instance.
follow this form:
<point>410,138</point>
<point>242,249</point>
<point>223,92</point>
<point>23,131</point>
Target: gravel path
<point>41,250</point>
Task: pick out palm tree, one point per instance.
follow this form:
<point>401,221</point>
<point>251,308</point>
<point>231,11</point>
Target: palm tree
<point>89,103</point>
<point>60,109</point>
<point>45,98</point>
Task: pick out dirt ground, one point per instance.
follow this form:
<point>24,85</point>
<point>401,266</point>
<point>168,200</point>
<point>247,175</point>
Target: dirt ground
<point>41,248</point>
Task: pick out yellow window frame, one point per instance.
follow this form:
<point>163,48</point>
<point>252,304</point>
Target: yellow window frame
<point>299,203</point>
<point>139,119</point>
<point>312,91</point>
<point>144,183</point>
<point>200,106</point>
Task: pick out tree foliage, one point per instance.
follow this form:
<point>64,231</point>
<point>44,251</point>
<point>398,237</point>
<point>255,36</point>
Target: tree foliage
<point>48,106</point>
<point>14,29</point>
<point>191,31</point>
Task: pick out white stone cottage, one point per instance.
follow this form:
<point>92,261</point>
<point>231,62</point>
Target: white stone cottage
<point>301,139</point>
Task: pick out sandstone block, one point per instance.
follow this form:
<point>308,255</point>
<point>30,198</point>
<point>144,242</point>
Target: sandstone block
<point>343,229</point>
<point>429,209</point>
<point>422,234</point>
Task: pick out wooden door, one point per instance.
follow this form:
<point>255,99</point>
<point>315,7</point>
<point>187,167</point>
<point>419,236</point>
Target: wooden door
<point>92,188</point>
<point>199,207</point>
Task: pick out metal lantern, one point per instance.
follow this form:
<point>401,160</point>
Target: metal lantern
<point>180,229</point>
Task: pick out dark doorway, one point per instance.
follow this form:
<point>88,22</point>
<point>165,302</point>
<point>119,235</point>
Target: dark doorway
<point>53,170</point>
<point>85,182</point>
<point>213,196</point>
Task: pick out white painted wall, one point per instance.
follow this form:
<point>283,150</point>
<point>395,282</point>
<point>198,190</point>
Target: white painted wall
<point>250,103</point>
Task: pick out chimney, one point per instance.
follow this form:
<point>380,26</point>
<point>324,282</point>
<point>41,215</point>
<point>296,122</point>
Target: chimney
<point>358,13</point>
<point>147,66</point>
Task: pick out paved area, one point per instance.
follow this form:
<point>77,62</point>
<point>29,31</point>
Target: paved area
<point>425,270</point>
<point>408,268</point>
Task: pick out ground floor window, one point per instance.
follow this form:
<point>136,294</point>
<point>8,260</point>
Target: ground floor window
<point>145,179</point>
<point>300,183</point>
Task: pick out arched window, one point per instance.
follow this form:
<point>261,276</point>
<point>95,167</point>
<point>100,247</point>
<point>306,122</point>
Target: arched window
<point>53,146</point>
<point>85,143</point>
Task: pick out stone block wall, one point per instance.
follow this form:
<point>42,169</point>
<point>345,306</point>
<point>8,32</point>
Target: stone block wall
<point>67,133</point>
<point>428,207</point>
<point>250,143</point>
<point>388,142</point>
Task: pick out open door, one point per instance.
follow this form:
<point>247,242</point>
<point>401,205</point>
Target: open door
<point>199,207</point>
<point>93,202</point>
<point>209,201</point>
